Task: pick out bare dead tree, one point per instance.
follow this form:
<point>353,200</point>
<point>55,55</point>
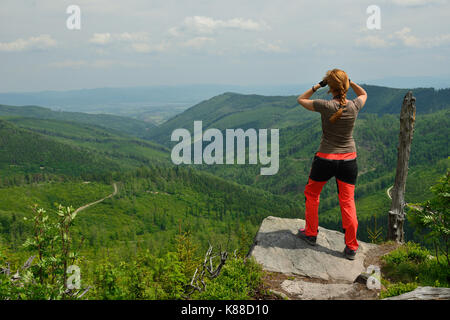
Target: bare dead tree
<point>397,213</point>
<point>209,268</point>
<point>15,277</point>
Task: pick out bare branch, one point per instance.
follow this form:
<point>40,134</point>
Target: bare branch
<point>198,279</point>
<point>28,263</point>
<point>6,270</point>
<point>84,292</point>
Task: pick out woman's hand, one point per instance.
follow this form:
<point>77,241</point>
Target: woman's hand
<point>316,87</point>
<point>304,100</point>
<point>360,92</point>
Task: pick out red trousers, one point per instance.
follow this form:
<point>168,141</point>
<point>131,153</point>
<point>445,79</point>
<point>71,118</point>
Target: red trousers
<point>345,171</point>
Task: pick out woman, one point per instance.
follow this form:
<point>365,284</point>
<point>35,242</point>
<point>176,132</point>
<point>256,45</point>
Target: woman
<point>336,155</point>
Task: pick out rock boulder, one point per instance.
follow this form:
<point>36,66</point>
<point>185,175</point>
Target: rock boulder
<point>278,249</point>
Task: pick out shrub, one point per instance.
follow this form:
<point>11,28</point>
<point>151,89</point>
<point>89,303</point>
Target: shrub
<point>412,263</point>
<point>240,279</point>
<point>397,289</point>
<point>143,277</point>
<point>410,252</point>
<point>432,218</point>
<point>45,274</point>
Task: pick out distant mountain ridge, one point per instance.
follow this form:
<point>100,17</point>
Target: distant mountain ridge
<point>233,110</point>
<point>146,94</point>
<point>185,93</point>
<point>126,125</point>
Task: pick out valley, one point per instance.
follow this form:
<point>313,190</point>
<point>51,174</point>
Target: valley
<point>118,174</point>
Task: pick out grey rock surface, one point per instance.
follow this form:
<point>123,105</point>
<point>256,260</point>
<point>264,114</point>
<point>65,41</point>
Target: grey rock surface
<point>424,293</point>
<point>304,290</point>
<point>278,249</point>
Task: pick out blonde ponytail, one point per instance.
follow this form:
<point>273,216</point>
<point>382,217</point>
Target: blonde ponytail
<point>337,81</point>
<point>336,115</point>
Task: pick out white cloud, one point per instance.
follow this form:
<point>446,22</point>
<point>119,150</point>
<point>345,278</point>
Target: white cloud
<point>173,31</point>
<point>40,42</point>
<point>207,25</point>
<point>132,37</point>
<point>141,47</point>
<point>405,38</point>
<point>236,27</point>
<point>101,38</point>
<point>439,40</point>
<point>198,31</point>
<point>68,64</point>
<point>415,3</point>
<point>373,41</point>
<point>409,40</point>
<point>103,63</point>
<point>100,63</point>
<point>265,46</point>
<point>117,63</point>
<point>135,41</point>
<point>198,42</point>
<point>108,38</point>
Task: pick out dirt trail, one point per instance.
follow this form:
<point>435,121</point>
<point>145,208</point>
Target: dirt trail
<point>98,201</point>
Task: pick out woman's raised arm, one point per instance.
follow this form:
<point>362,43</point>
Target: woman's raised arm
<point>360,92</point>
<point>304,100</point>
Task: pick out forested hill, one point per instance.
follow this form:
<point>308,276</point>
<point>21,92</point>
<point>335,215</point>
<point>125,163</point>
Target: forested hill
<point>75,165</point>
<point>231,110</point>
<point>22,151</point>
<point>126,125</point>
<point>56,147</point>
<point>389,100</point>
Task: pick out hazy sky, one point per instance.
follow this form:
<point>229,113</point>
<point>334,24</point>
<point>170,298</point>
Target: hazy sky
<point>144,42</point>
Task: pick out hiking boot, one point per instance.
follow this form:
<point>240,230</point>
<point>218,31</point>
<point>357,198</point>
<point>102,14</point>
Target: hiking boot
<point>309,239</point>
<point>349,253</point>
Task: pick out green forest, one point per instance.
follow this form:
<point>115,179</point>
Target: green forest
<point>146,239</point>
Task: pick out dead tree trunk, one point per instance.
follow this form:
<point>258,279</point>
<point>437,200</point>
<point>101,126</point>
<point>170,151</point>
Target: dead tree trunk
<point>397,214</point>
